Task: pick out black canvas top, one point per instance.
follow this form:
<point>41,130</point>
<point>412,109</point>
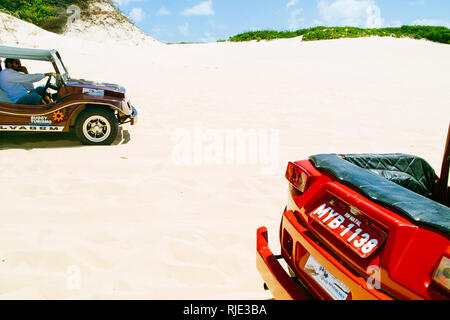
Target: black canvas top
<point>371,179</point>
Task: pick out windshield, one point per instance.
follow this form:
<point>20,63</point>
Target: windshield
<point>61,67</point>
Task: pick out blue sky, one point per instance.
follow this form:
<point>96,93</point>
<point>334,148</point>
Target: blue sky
<point>211,20</point>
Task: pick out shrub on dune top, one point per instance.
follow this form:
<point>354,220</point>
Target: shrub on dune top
<point>50,15</point>
<point>437,34</point>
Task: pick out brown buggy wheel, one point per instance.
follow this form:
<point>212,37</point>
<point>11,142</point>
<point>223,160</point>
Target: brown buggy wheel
<point>97,126</point>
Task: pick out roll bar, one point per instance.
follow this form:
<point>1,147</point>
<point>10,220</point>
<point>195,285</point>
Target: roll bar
<point>443,181</point>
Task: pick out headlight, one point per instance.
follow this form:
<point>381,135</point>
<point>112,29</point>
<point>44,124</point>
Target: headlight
<point>126,107</point>
<point>442,273</point>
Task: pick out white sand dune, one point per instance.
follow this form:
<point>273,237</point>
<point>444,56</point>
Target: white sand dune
<point>127,221</point>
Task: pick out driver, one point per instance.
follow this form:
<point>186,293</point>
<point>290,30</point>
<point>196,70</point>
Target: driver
<point>18,84</point>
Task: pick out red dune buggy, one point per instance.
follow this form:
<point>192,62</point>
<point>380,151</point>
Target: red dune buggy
<point>361,227</point>
<point>94,110</point>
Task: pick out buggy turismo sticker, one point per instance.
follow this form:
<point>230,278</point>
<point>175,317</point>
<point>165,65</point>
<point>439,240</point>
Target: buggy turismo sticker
<point>40,120</point>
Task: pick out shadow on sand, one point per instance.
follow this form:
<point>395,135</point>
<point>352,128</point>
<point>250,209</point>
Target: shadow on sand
<point>46,140</point>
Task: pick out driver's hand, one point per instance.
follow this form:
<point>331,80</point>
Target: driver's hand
<point>50,74</point>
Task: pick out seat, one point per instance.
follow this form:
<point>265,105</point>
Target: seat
<point>411,172</point>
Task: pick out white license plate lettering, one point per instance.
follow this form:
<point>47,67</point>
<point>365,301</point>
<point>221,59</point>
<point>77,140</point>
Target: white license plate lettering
<point>363,240</point>
<point>336,222</point>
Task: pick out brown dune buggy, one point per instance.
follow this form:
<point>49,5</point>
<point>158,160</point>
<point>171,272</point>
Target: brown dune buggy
<point>94,110</point>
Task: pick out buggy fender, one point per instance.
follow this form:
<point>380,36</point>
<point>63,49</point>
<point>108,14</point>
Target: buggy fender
<point>83,106</point>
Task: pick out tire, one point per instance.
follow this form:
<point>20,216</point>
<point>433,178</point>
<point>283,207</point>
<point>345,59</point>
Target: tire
<point>97,126</point>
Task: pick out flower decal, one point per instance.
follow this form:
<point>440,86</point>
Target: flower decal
<point>58,116</point>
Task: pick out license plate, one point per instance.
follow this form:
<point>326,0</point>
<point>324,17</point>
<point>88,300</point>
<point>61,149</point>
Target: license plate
<point>356,232</point>
<point>336,289</point>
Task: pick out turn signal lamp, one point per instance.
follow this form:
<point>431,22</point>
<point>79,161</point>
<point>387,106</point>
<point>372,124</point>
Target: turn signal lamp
<point>298,176</point>
<point>442,273</point>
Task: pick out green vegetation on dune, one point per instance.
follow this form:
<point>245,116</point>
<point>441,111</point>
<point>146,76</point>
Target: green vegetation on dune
<point>437,34</point>
<point>50,15</point>
<point>267,35</point>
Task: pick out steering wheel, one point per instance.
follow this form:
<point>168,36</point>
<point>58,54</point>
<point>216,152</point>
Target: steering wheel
<point>46,97</point>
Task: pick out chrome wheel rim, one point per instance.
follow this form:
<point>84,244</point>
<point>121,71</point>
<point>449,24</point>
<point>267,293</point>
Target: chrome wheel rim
<point>96,128</point>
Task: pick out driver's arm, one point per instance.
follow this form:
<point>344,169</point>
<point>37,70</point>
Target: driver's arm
<point>25,78</point>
